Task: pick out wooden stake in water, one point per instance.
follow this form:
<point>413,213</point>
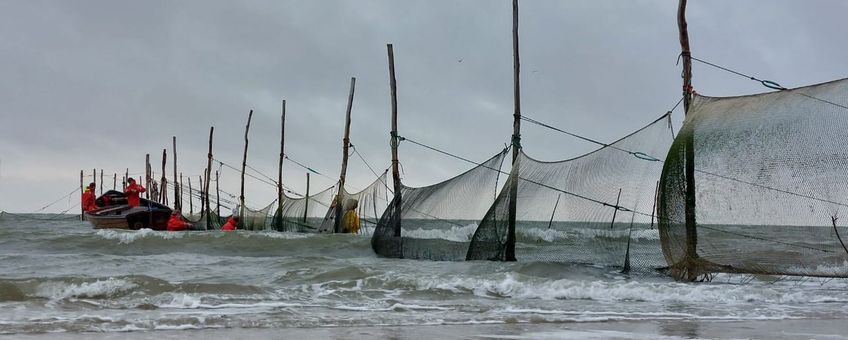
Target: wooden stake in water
<point>615,209</point>
<point>509,253</point>
<point>208,208</point>
<point>243,166</point>
<point>345,146</point>
<point>554,211</point>
<point>164,184</point>
<point>279,215</point>
<point>398,199</point>
<point>178,197</point>
<point>689,151</point>
<point>82,190</point>
<point>306,208</point>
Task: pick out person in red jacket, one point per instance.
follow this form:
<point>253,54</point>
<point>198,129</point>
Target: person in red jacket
<point>231,224</point>
<point>88,200</point>
<point>176,223</point>
<point>132,191</point>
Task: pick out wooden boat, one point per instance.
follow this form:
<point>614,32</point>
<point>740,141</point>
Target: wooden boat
<point>114,213</point>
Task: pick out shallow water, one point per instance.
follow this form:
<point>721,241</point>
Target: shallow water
<point>63,276</point>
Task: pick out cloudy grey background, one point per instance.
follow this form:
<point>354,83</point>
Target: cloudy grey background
<point>97,84</point>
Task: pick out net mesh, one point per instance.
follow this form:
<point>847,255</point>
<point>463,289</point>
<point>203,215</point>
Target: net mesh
<point>436,222</point>
<point>554,224</point>
<point>370,204</point>
<point>303,214</point>
<point>769,175</point>
<point>256,219</point>
<point>200,221</point>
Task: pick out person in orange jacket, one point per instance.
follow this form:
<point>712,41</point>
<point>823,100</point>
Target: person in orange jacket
<point>176,222</point>
<point>88,199</point>
<point>132,191</point>
<point>231,224</point>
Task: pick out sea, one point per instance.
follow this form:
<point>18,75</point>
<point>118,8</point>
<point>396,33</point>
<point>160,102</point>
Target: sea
<point>60,278</point>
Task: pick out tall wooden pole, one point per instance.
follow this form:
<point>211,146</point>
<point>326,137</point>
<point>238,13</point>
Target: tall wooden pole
<point>82,190</point>
<point>306,208</point>
<point>93,176</point>
<point>202,193</point>
<point>147,178</point>
<point>179,202</point>
<point>164,184</point>
<point>345,146</point>
<point>217,196</point>
<point>509,254</point>
<point>243,166</point>
<point>190,205</point>
<point>101,181</point>
<point>114,181</point>
<point>279,216</point>
<point>208,208</point>
<point>396,202</point>
<point>178,198</point>
<point>689,149</point>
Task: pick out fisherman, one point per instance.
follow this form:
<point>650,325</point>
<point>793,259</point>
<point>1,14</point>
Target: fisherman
<point>232,224</point>
<point>350,220</point>
<point>88,199</point>
<point>132,191</point>
<point>176,223</point>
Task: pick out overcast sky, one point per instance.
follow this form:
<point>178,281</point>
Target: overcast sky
<point>98,84</point>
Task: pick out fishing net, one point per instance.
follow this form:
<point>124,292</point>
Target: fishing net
<point>303,214</point>
<point>368,203</point>
<point>436,222</point>
<point>199,221</point>
<point>255,219</point>
<point>769,174</point>
<point>565,210</point>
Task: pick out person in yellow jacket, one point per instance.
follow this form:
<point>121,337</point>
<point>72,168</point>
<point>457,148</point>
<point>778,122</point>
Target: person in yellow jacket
<point>350,220</point>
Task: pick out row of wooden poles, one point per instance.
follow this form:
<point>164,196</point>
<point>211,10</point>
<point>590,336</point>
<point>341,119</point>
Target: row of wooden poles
<point>691,232</point>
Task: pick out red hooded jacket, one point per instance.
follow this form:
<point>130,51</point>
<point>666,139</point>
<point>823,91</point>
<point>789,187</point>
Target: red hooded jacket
<point>230,225</point>
<point>132,192</point>
<point>88,200</point>
<point>176,223</point>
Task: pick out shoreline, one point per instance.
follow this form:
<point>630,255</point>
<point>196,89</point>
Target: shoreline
<point>678,329</point>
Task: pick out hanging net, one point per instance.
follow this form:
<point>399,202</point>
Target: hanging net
<point>303,214</point>
<point>256,219</point>
<point>368,204</point>
<point>199,221</point>
<point>436,222</point>
<point>565,210</point>
<point>769,174</point>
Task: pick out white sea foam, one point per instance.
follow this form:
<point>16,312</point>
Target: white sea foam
<point>183,301</point>
<point>551,235</point>
<point>61,290</point>
<point>129,236</point>
<point>455,233</point>
<point>189,301</point>
<point>276,234</point>
<point>824,269</point>
<point>397,307</point>
<point>513,286</point>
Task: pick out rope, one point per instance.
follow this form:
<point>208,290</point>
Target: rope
<point>56,201</point>
<point>273,184</point>
<point>308,168</point>
<point>771,188</point>
<point>615,206</point>
<point>637,154</point>
<point>768,83</point>
<point>379,177</point>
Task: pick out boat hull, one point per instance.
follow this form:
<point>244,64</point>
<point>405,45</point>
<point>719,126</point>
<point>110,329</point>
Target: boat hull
<point>124,217</point>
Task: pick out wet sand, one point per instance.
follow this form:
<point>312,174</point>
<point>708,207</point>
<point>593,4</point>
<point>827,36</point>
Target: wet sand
<point>782,329</point>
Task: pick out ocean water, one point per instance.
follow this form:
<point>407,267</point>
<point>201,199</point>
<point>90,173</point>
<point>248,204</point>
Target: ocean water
<point>61,277</point>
